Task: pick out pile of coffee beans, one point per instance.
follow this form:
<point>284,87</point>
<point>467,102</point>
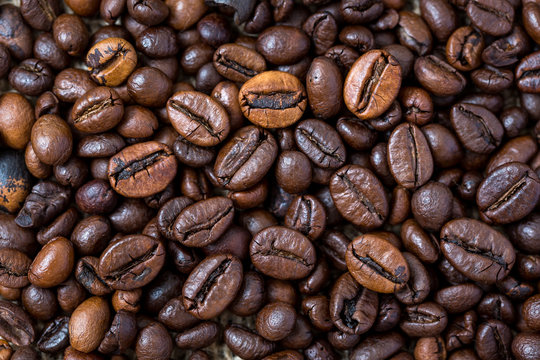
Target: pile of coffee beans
<point>270,179</point>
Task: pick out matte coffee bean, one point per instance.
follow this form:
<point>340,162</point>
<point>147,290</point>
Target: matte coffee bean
<point>15,266</point>
<point>464,48</point>
<point>40,15</point>
<point>150,162</point>
<point>198,118</point>
<point>409,156</point>
<point>431,205</point>
<point>501,203</point>
<point>491,79</point>
<point>372,84</point>
<point>245,159</point>
<point>149,86</point>
<point>203,222</point>
<point>46,49</point>
<point>426,319</point>
<point>282,253</point>
<point>15,237</point>
<point>93,313</point>
<point>320,143</point>
<point>192,155</point>
<point>70,84</point>
<point>121,334</point>
<point>40,303</point>
<point>520,149</point>
<point>131,262</point>
<point>478,128</point>
<point>458,298</point>
<point>307,215</point>
<point>111,61</point>
<point>324,86</point>
<point>282,45</point>
<point>353,308</point>
<point>273,99</point>
<point>419,242</point>
<point>373,346</point>
<point>445,146</point>
<point>251,295</point>
<point>212,286</point>
<point>486,259</point>
<point>276,321</point>
<point>507,50</point>
<point>202,335</point>
<point>370,263</point>
<point>359,196</point>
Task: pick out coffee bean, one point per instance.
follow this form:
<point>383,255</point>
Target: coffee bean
<point>99,110</point>
<point>458,298</point>
<point>15,265</point>
<point>245,159</point>
<point>372,84</point>
<point>486,259</point>
<point>507,50</point>
<point>352,307</point>
<point>461,331</point>
<point>273,99</point>
<point>55,335</point>
<point>131,262</point>
<point>493,340</point>
<point>92,313</point>
<point>31,77</point>
<point>324,86</point>
<point>525,73</point>
<point>464,48</point>
<point>149,86</point>
<point>409,156</point>
<point>198,118</point>
<point>525,345</point>
<point>418,286</point>
<point>192,155</point>
<point>53,264</point>
<point>52,140</point>
<point>86,274</point>
<point>16,325</point>
<point>283,45</point>
<point>379,345</point>
<point>18,38</point>
<point>237,337</point>
<point>282,253</point>
<point>501,203</point>
<point>438,77</point>
<point>426,319</point>
<point>492,17</point>
<point>238,63</point>
<point>369,263</point>
<point>359,196</point>
<point>203,222</point>
<point>111,61</point>
<point>40,15</point>
<point>157,42</point>
<point>360,11</point>
<point>150,162</point>
<point>14,181</point>
<point>430,348</point>
<point>276,321</point>
<point>212,286</point>
<point>71,34</point>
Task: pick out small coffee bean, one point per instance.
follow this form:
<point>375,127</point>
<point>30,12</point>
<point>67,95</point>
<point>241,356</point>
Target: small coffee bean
<point>426,319</point>
<point>71,34</point>
<point>464,48</point>
<point>246,344</point>
<point>55,335</point>
<point>276,321</point>
<point>31,77</point>
<point>283,45</point>
<point>15,266</point>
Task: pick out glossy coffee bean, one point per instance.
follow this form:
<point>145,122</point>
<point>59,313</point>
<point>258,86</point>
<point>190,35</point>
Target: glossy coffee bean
<point>212,286</point>
<point>52,140</point>
<point>92,313</point>
<point>71,34</point>
<point>31,77</point>
<point>276,44</point>
<point>438,77</point>
<point>238,63</point>
<point>492,17</point>
<point>99,110</point>
<point>273,99</point>
<point>53,264</point>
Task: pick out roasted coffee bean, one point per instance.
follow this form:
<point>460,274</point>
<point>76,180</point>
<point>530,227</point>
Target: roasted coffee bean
<point>168,214</point>
<point>53,264</point>
<point>70,84</point>
<point>31,77</point>
<point>320,143</point>
<point>131,262</point>
<point>99,110</point>
<point>45,201</point>
<point>307,215</point>
<point>370,264</point>
<point>212,286</point>
<point>357,134</point>
<point>93,313</point>
<point>372,84</point>
<point>445,147</point>
<point>40,14</point>
<point>414,33</point>
<point>418,106</point>
<point>282,253</point>
<point>324,86</point>
<point>379,345</point>
<point>198,118</point>
<point>71,34</point>
<point>203,222</point>
<point>426,319</point>
<point>492,17</point>
<point>409,156</point>
<point>15,266</point>
<point>419,242</point>
<point>199,336</point>
<point>86,273</point>
<point>478,128</point>
<point>486,259</point>
<point>507,50</point>
<point>353,308</point>
<point>14,180</point>
<point>55,335</point>
<point>111,61</point>
<point>273,99</point>
<point>238,63</point>
<point>438,77</point>
<point>149,86</point>
<point>52,140</point>
<point>418,286</point>
<point>283,45</point>
<point>17,326</point>
<point>18,36</point>
<point>493,340</point>
<point>464,48</point>
<point>276,321</point>
<point>526,73</point>
<point>493,80</point>
<point>150,162</point>
<point>245,159</point>
<point>246,344</point>
<point>499,194</point>
<point>519,149</point>
<point>432,205</point>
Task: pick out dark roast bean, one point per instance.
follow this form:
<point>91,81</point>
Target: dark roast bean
<point>212,286</point>
<point>418,286</point>
<point>493,340</point>
<point>464,48</point>
<point>526,73</point>
<point>492,17</point>
<point>15,266</point>
<point>507,50</point>
<point>426,319</point>
<point>99,110</point>
<point>486,258</point>
<point>324,86</point>
<point>238,63</point>
<point>55,336</point>
<point>378,346</point>
<point>18,36</point>
<point>157,42</point>
<point>17,326</point>
<point>321,143</point>
<point>414,33</point>
<point>31,77</point>
<point>282,45</point>
<point>307,215</point>
<point>246,344</point>
<point>86,273</point>
<point>438,77</point>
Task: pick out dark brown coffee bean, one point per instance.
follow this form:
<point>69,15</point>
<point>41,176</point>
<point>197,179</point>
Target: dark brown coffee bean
<point>195,56</point>
<point>55,336</point>
<point>18,36</point>
<point>307,215</point>
<point>491,79</point>
<point>150,12</point>
<point>40,14</point>
<point>419,242</point>
<point>431,347</point>
<point>238,63</point>
<point>99,110</point>
<point>379,345</point>
<point>276,321</point>
<point>71,34</point>
<point>192,155</point>
<point>493,340</point>
<point>359,196</point>
<point>369,263</point>
<point>426,319</point>
<point>458,298</point>
<point>31,77</point>
<point>246,344</point>
<point>418,286</point>
<point>372,84</point>
<point>501,195</point>
<point>199,336</point>
<point>71,84</point>
<point>111,61</point>
<point>87,276</point>
<point>157,42</point>
<point>321,143</point>
<point>324,86</point>
<point>492,17</point>
<point>273,99</point>
<point>353,308</point>
<point>438,77</point>
<point>198,118</point>
<point>15,266</point>
<point>525,73</point>
<point>282,253</point>
<point>507,50</point>
<point>245,159</point>
<point>131,262</point>
<point>464,48</point>
<point>432,205</point>
<point>486,259</point>
<point>204,222</point>
<point>445,147</point>
<point>150,162</point>
<point>418,106</point>
<point>520,149</point>
<point>149,86</point>
<point>153,343</point>
<point>52,140</point>
<point>212,286</point>
<point>414,167</point>
<point>17,326</point>
<point>120,335</point>
<point>276,44</point>
<point>478,128</point>
<point>525,346</point>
